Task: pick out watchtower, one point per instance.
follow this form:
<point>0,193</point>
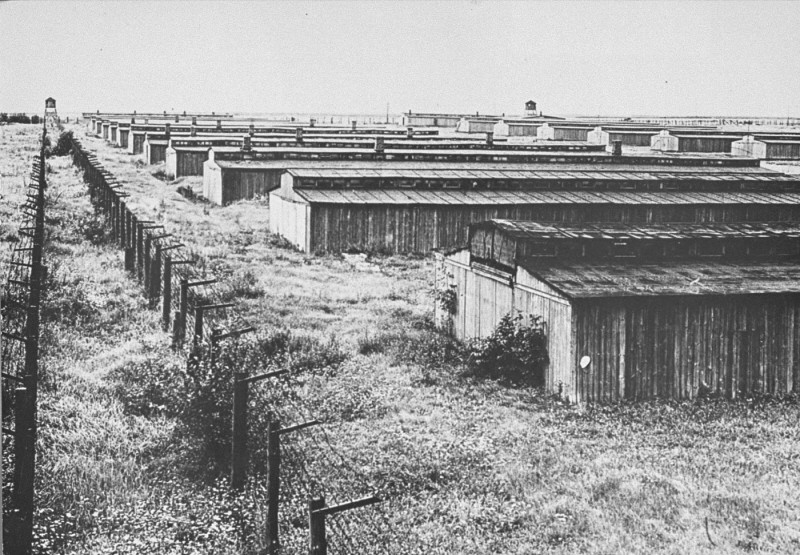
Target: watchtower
<point>50,113</point>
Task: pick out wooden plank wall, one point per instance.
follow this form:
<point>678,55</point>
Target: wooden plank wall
<point>630,139</point>
<point>421,229</point>
<point>484,296</point>
<point>190,163</point>
<point>532,297</point>
<point>158,154</point>
<point>704,144</point>
<point>243,184</point>
<point>668,347</point>
<point>522,130</point>
<point>138,144</point>
<point>778,151</point>
<point>212,182</point>
<point>570,134</point>
<point>289,219</point>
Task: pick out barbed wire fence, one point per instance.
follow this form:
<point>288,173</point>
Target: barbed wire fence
<point>20,306</point>
<point>304,470</point>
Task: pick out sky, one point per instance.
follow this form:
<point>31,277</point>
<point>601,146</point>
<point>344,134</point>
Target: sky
<point>572,58</point>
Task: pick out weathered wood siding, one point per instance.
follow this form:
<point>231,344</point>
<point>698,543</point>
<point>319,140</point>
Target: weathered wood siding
<point>182,163</point>
<point>667,347</point>
<point>154,154</point>
<point>570,134</point>
<point>630,139</point>
<point>123,137</point>
<point>782,151</point>
<point>421,229</point>
<point>704,144</point>
<point>137,145</point>
<point>531,296</point>
<point>212,182</point>
<point>484,295</point>
<point>290,220</point>
<point>522,130</point>
<point>243,184</point>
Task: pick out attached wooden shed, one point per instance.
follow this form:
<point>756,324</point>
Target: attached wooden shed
<point>627,137</point>
<point>564,132</point>
<point>154,149</point>
<point>767,149</point>
<point>516,128</point>
<point>629,327</point>
<point>474,124</point>
<point>670,141</point>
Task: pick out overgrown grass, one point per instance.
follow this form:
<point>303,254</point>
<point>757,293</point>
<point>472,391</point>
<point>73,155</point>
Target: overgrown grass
<point>464,465</point>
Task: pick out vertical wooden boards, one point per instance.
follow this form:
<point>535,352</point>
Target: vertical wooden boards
<point>735,345</point>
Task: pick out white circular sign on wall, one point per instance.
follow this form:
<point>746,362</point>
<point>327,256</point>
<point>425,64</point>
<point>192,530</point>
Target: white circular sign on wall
<point>586,360</point>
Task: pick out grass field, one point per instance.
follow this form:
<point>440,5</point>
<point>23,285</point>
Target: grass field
<point>465,466</point>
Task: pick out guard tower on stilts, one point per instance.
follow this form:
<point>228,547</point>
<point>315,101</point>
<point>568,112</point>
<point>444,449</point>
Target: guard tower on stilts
<point>50,114</point>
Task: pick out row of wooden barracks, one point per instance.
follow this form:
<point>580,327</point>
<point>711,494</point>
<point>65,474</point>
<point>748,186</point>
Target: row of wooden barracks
<point>660,272</point>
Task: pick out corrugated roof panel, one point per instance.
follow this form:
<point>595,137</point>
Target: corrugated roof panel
<point>394,196</point>
<point>688,278</point>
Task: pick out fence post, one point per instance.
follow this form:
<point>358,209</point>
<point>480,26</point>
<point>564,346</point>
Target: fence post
<point>166,289</point>
<point>176,330</point>
<point>273,483</point>
<point>24,449</point>
<point>183,308</point>
<point>155,277</point>
<point>198,326</point>
<point>123,225</point>
<point>239,429</point>
<point>148,241</point>
<point>130,259</point>
<point>139,249</point>
<point>318,544</point>
<point>130,226</point>
<point>114,218</point>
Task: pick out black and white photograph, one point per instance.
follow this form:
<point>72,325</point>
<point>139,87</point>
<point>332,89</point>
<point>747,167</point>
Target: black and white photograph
<point>421,277</point>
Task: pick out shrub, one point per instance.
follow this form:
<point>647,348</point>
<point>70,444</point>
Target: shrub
<point>92,228</point>
<point>205,418</point>
<point>161,175</point>
<point>447,299</point>
<point>63,145</point>
<point>372,344</point>
<point>514,352</point>
<point>186,192</point>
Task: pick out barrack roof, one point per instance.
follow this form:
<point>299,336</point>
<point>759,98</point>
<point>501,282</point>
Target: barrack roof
<point>488,171</point>
<point>475,197</point>
<point>523,229</point>
<point>582,280</point>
